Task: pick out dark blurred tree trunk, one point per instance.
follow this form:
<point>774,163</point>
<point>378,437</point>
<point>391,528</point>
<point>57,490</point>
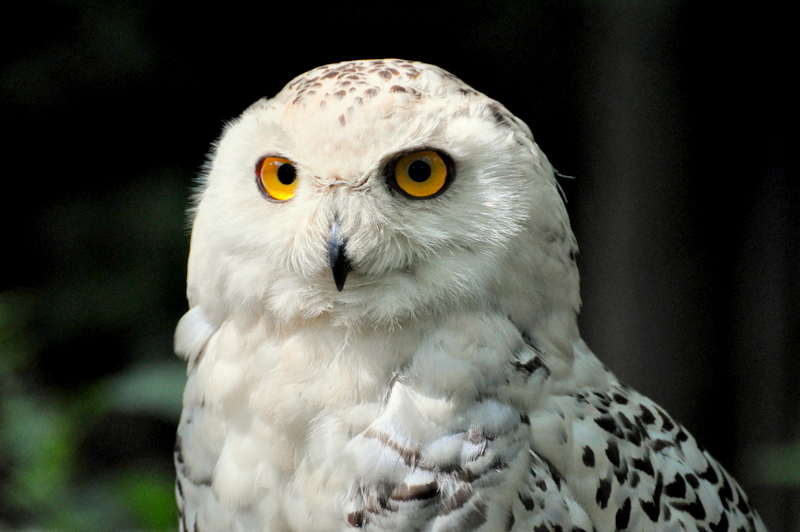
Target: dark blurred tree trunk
<point>689,247</point>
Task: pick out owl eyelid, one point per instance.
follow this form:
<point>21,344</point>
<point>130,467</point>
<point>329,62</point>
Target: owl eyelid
<point>391,166</point>
<point>260,161</point>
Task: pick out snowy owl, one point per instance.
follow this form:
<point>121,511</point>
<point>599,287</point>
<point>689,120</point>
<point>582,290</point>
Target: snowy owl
<point>382,331</point>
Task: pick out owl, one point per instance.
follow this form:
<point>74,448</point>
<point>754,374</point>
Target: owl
<point>383,332</point>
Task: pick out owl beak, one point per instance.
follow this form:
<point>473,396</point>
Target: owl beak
<point>337,258</point>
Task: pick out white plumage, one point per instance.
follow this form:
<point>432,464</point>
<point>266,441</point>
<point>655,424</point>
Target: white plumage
<point>383,331</point>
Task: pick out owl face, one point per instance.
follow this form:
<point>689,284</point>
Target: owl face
<point>372,192</point>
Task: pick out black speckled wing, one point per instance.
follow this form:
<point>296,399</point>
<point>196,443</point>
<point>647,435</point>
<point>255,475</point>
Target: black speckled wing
<point>632,467</point>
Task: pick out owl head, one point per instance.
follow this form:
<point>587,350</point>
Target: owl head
<point>379,193</point>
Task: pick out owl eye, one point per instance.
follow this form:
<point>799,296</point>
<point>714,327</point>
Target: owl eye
<point>276,178</point>
<point>422,174</point>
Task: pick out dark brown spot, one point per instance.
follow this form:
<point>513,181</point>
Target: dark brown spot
<point>603,492</point>
<point>555,474</point>
<point>647,416</point>
<point>725,492</point>
<point>498,114</point>
<point>531,365</point>
<point>676,488</point>
<point>660,445</point>
<point>721,526</point>
<point>743,506</point>
<point>620,399</point>
<point>177,451</point>
<point>510,520</point>
<point>588,456</point>
<point>355,519</point>
<point>644,465</point>
<point>526,501</point>
<point>621,472</point>
<point>573,254</point>
<point>410,457</point>
<point>667,423</point>
<point>623,515</point>
<point>406,492</point>
<point>468,475</point>
<point>695,509</point>
<point>653,508</point>
<point>709,474</point>
<point>608,424</point>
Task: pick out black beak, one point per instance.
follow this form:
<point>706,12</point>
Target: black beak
<point>337,258</point>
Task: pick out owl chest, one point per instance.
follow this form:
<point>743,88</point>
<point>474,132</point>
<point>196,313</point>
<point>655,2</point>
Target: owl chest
<point>307,424</point>
<point>277,414</point>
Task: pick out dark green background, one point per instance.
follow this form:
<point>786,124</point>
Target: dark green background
<point>678,120</point>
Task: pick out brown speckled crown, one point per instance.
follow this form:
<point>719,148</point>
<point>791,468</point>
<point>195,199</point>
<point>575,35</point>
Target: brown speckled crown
<point>351,84</point>
<point>363,80</point>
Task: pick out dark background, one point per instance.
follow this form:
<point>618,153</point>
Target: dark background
<point>677,120</point>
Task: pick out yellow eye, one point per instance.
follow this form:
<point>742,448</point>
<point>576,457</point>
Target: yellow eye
<point>276,178</point>
<point>422,174</point>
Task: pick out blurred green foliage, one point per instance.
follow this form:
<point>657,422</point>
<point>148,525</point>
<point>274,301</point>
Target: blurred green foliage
<point>87,425</point>
<point>778,464</point>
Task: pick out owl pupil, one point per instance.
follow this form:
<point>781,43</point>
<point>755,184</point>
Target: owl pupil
<point>286,174</point>
<point>419,171</point>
